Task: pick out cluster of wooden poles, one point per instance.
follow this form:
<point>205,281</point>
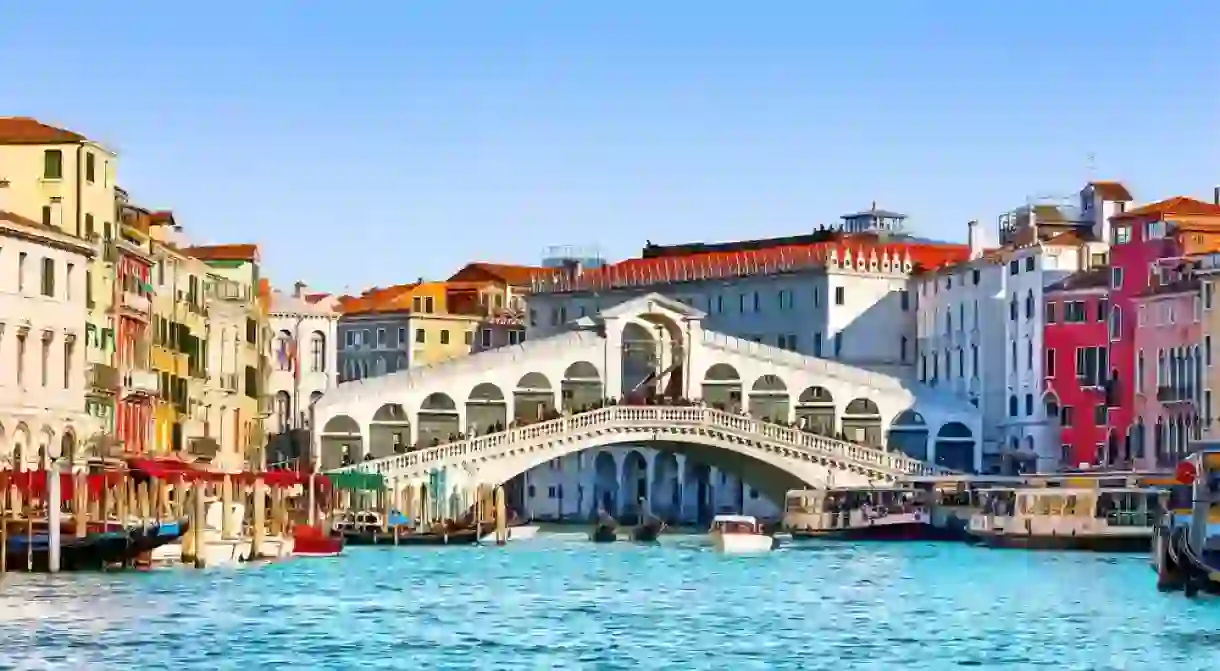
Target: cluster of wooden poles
<point>487,505</point>
<point>119,499</point>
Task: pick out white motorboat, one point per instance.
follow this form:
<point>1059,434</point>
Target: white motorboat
<point>739,534</point>
<point>524,532</point>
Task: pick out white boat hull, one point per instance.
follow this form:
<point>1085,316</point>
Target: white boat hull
<point>741,543</point>
<point>521,533</point>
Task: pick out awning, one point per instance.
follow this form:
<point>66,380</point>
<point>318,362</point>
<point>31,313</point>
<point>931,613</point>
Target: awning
<point>167,469</point>
<point>368,482</point>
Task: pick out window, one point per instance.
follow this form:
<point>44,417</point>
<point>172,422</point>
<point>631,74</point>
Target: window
<point>46,361</point>
<point>317,352</point>
<point>757,303</point>
<point>52,164</point>
<point>1049,363</point>
<point>420,336</point>
<point>1116,322</point>
<point>1116,278</point>
<point>1073,312</point>
<point>1029,405</point>
<point>1029,263</point>
<point>1122,235</point>
<point>1012,406</point>
<point>1012,308</point>
<point>902,349</point>
<point>1029,355</point>
<point>485,338</point>
<point>1103,310</point>
<point>46,215</point>
<point>402,337</point>
<point>1139,371</point>
<point>1029,304</point>
<point>975,276</point>
<point>48,278</point>
<point>1154,230</point>
<point>381,338</point>
<point>1100,414</point>
<point>90,167</point>
<point>1091,366</point>
<point>470,337</point>
<point>428,304</point>
<point>974,360</point>
<point>1208,289</point>
<point>1066,416</point>
<point>69,345</point>
<point>444,336</point>
<point>817,344</point>
<point>838,344</point>
<point>838,295</point>
<point>1207,350</point>
<point>1048,312</point>
<point>349,339</point>
<point>1014,267</point>
<point>89,232</point>
<point>88,289</point>
<point>785,299</point>
<point>516,337</point>
<point>904,299</point>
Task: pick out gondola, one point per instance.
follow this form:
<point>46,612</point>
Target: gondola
<point>606,530</point>
<point>151,536</point>
<point>649,531</point>
<point>379,537</point>
<point>1184,569</point>
<point>93,552</point>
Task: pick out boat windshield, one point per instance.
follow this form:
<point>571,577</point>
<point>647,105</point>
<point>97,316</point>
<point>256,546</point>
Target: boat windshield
<point>892,500</point>
<point>735,526</point>
<point>1129,508</point>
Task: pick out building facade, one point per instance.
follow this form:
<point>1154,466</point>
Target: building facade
<point>42,323</point>
<point>304,366</point>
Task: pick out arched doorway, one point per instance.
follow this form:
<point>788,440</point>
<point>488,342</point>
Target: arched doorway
<point>486,410</point>
<point>699,494</point>
<point>438,420</point>
<point>955,447</point>
<point>67,447</point>
<point>769,400</point>
<point>909,434</point>
<point>722,388</point>
<point>664,501</point>
<point>533,399</point>
<point>641,360</point>
<point>390,431</point>
<point>581,387</point>
<point>340,442</point>
<point>862,422</point>
<point>635,487</point>
<point>605,485</point>
<point>815,411</point>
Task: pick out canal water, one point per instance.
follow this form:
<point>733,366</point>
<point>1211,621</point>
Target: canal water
<point>563,603</point>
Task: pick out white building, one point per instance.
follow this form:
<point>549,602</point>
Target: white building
<point>42,347</point>
<point>981,322</point>
<point>304,360</point>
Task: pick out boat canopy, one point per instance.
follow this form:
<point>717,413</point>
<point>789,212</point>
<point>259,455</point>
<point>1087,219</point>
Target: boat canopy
<point>745,519</point>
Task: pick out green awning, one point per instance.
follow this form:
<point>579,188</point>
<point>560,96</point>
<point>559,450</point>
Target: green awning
<point>368,482</point>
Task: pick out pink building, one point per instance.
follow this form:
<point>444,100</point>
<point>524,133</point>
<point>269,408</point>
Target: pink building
<point>1168,369</point>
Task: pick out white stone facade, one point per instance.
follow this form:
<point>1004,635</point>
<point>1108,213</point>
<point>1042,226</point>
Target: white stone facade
<point>574,368</point>
<point>304,357</point>
<point>42,344</point>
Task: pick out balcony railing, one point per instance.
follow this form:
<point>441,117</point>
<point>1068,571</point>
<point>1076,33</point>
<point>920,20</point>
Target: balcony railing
<point>230,291</point>
<point>1167,394</point>
<point>140,382</point>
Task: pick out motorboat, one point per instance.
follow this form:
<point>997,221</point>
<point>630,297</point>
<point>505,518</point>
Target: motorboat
<point>313,541</point>
<point>739,534</point>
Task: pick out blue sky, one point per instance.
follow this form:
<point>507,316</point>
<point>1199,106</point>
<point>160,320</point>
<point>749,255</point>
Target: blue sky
<point>372,143</point>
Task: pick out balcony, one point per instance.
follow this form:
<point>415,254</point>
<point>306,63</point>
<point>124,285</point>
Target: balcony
<point>140,382</point>
<point>1168,395</point>
<point>135,303</point>
<point>266,405</point>
<point>101,377</point>
<point>229,291</point>
<point>229,382</point>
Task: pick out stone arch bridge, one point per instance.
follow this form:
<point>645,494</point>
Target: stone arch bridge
<point>644,372</point>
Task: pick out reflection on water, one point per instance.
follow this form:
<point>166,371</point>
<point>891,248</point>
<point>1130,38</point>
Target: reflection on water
<point>562,602</point>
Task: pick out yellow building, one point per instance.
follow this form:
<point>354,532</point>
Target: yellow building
<point>238,354</point>
<point>63,179</point>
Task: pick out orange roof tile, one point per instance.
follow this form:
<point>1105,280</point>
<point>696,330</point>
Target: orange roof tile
<point>25,130</point>
<point>378,299</point>
<point>1111,191</point>
<point>519,276</point>
<point>1178,206</point>
<point>162,218</point>
<point>750,262</point>
<point>224,252</point>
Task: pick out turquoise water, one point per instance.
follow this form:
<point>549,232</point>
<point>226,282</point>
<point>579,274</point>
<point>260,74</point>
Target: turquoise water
<point>563,603</point>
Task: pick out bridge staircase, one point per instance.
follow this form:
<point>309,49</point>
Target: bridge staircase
<point>614,424</point>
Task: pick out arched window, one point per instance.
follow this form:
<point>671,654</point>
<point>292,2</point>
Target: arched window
<point>317,352</point>
<point>1012,406</point>
<point>283,351</point>
<point>1116,322</point>
<point>283,410</point>
<point>1029,304</point>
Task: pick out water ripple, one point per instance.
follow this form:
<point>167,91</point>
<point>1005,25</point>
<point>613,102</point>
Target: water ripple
<point>561,603</point>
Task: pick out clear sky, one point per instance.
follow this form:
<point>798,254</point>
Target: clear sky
<point>370,143</point>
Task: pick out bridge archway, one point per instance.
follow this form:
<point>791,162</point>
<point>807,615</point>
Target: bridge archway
<point>390,431</point>
<point>665,494</point>
<point>862,422</point>
<point>955,447</point>
<point>909,434</point>
<point>815,411</point>
<point>605,484</point>
<point>533,399</point>
<point>340,442</point>
<point>769,399</point>
<point>699,495</point>
<point>581,387</point>
<point>486,409</point>
<point>722,387</point>
<point>634,487</point>
<point>641,358</point>
<point>438,418</point>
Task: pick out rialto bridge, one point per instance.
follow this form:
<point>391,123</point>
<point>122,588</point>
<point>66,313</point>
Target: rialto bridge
<point>644,372</point>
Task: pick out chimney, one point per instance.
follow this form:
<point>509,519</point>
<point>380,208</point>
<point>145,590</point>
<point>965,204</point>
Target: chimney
<point>298,288</point>
<point>1216,196</point>
<point>974,239</point>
